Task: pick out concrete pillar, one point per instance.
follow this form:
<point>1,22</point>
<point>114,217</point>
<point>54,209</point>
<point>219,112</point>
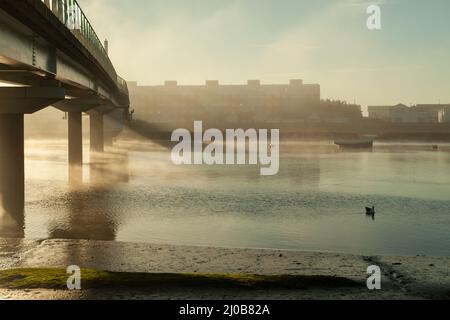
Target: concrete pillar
<point>14,103</point>
<point>12,175</point>
<point>75,148</point>
<point>97,135</point>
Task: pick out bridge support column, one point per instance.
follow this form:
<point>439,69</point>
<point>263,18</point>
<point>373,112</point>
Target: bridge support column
<point>14,103</point>
<point>97,135</point>
<point>12,175</point>
<point>75,148</point>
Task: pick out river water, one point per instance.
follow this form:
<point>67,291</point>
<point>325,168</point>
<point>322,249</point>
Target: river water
<point>316,202</point>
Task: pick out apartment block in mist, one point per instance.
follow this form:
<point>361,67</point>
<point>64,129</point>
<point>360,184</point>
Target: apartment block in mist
<point>421,113</point>
<point>225,106</point>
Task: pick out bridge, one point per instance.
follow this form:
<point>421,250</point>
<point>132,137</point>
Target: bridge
<point>51,54</point>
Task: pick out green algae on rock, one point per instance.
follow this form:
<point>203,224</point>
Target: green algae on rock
<point>54,278</point>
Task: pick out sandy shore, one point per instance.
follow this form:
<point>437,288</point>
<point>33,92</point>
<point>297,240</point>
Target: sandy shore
<point>403,277</point>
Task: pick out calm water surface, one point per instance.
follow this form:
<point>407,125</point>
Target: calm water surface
<point>316,202</point>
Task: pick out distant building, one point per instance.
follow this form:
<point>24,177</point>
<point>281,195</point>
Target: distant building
<point>227,106</point>
<point>384,113</point>
<point>421,113</point>
<point>216,103</point>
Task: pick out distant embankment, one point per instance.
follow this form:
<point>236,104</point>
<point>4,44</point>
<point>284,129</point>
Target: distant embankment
<point>141,129</point>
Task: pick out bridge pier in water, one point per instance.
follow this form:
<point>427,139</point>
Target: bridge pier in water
<point>98,137</point>
<point>75,137</point>
<point>97,133</point>
<point>15,102</point>
<point>12,175</point>
<point>75,109</point>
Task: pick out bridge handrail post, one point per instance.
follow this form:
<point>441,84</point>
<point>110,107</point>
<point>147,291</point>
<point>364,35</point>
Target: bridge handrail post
<point>69,12</point>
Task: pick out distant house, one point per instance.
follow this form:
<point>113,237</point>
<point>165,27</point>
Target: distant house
<point>387,113</point>
<point>421,113</point>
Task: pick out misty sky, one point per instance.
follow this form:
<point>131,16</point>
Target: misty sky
<point>321,41</point>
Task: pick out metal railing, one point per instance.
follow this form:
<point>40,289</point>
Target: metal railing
<point>72,16</point>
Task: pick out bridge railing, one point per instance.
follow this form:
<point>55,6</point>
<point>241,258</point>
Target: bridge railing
<point>122,84</point>
<point>69,12</point>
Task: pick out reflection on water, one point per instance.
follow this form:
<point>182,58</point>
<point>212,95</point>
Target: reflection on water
<point>88,205</point>
<point>316,202</point>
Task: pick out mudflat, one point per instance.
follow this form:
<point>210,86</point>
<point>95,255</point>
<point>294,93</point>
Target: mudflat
<point>317,275</point>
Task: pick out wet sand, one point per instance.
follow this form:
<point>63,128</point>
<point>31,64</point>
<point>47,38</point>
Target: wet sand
<point>403,277</point>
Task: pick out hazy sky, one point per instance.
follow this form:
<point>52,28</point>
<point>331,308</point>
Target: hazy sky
<point>321,41</point>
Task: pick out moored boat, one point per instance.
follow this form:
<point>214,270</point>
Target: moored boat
<point>356,144</point>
